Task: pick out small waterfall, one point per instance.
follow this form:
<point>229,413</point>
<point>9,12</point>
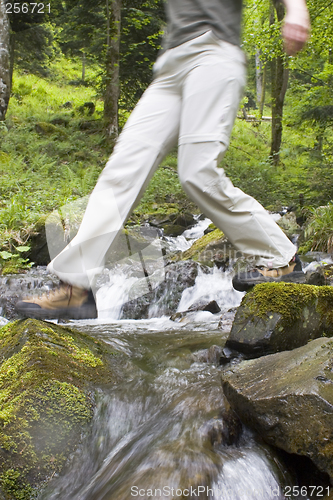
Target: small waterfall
<point>186,240</point>
<point>213,286</point>
<point>111,297</point>
<point>247,475</point>
<point>126,282</point>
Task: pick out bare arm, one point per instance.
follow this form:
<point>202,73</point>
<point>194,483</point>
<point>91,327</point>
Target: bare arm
<point>296,27</point>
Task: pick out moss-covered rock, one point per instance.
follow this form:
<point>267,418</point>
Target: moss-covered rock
<point>173,230</point>
<point>47,374</point>
<point>159,214</point>
<point>275,317</point>
<point>288,398</point>
<point>46,128</point>
<point>209,248</point>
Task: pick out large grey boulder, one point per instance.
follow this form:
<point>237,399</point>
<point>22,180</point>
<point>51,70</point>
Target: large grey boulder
<point>288,399</point>
<point>275,317</point>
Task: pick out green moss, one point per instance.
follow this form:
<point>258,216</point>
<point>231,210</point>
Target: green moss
<point>11,482</point>
<point>46,128</point>
<point>208,239</point>
<point>46,376</point>
<point>289,300</point>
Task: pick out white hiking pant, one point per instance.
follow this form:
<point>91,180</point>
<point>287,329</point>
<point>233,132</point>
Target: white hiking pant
<point>193,100</point>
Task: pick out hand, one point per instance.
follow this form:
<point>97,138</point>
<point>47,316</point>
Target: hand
<point>295,37</point>
<point>296,27</point>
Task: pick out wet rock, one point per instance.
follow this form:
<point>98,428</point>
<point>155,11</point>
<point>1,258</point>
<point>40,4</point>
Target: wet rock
<point>211,307</point>
<point>211,355</point>
<point>288,399</point>
<point>173,230</point>
<point>228,355</point>
<point>133,242</point>
<point>223,431</point>
<point>214,354</point>
<point>185,219</point>
<point>39,252</point>
<point>280,316</point>
<point>161,214</point>
<point>47,377</point>
<point>227,319</point>
<point>327,270</point>
<point>166,296</point>
<point>316,277</point>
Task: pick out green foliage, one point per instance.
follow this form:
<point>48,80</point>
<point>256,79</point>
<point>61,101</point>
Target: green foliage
<point>33,34</point>
<point>41,171</point>
<point>164,187</point>
<point>142,23</point>
<point>259,32</point>
<point>44,166</point>
<point>14,262</point>
<point>319,229</point>
<point>83,28</point>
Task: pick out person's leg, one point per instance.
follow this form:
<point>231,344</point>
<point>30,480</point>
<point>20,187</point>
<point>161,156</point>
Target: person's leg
<point>210,100</point>
<point>150,132</point>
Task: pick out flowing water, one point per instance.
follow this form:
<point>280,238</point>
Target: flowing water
<point>158,433</point>
<point>162,429</point>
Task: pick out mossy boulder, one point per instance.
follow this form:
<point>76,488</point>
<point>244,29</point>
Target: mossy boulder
<point>275,317</point>
<point>45,128</point>
<point>209,249</point>
<point>47,376</point>
<point>160,214</point>
<point>288,399</point>
<point>173,230</point>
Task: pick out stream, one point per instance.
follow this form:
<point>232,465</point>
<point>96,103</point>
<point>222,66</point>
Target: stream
<point>158,429</point>
<point>162,430</point>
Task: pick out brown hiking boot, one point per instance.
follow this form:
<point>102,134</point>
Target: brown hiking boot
<point>291,273</point>
<point>65,302</point>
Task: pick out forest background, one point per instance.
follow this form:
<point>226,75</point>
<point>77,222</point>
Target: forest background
<point>71,71</point>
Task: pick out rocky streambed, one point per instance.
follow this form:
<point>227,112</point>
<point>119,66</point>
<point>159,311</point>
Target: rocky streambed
<point>199,398</point>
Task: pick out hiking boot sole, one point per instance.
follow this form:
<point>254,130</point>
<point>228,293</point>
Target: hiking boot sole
<point>243,284</point>
<point>29,310</point>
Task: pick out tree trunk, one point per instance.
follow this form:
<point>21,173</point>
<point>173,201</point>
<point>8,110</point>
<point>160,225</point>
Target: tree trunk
<point>280,76</point>
<point>5,73</point>
<point>262,100</point>
<point>83,77</point>
<point>113,8</point>
<point>259,76</point>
